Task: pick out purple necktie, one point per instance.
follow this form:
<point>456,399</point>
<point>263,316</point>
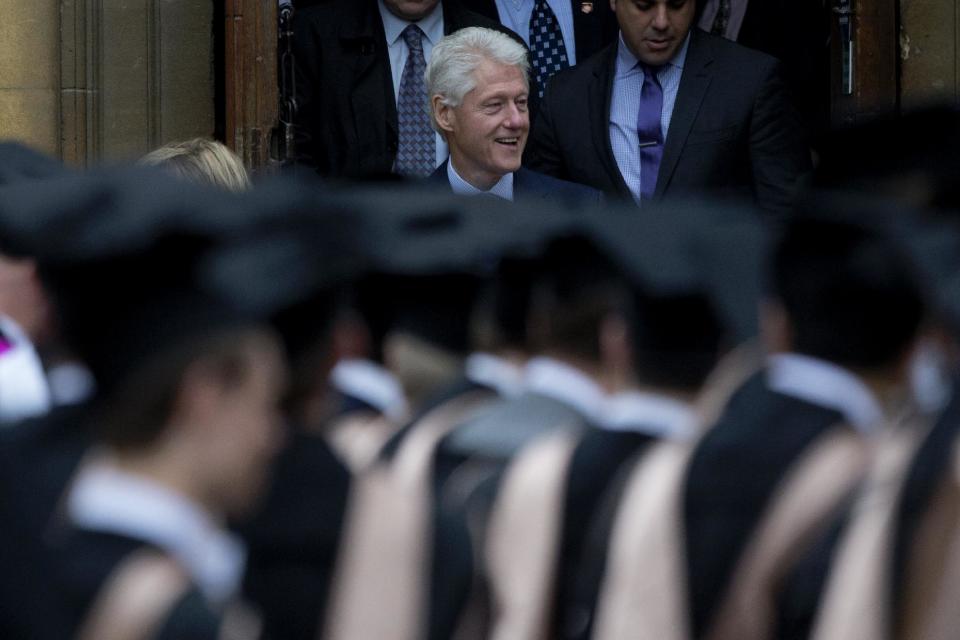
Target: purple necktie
<point>416,153</point>
<point>649,132</point>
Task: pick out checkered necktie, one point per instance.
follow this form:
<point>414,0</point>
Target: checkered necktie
<point>546,44</point>
<point>723,17</point>
<point>649,131</point>
<point>417,151</point>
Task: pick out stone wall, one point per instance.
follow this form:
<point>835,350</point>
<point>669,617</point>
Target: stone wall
<point>93,80</point>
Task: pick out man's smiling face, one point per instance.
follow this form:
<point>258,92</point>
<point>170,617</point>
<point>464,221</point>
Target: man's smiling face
<point>488,131</point>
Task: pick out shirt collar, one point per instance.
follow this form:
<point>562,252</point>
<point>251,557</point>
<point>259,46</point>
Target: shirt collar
<point>627,62</point>
<point>650,413</point>
<point>503,189</point>
<point>431,25</point>
<point>493,371</point>
<point>825,384</point>
<point>106,499</point>
<point>566,384</point>
<point>368,381</point>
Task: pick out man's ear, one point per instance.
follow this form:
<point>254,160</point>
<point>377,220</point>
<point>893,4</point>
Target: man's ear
<point>776,330</point>
<point>443,113</point>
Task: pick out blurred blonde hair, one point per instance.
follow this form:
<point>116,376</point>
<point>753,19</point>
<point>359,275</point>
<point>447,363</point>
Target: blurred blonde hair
<point>201,161</point>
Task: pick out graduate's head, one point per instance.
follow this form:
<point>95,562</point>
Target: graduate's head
<point>478,85</point>
<point>211,403</point>
<point>677,339</point>
<point>842,292</point>
<point>579,296</point>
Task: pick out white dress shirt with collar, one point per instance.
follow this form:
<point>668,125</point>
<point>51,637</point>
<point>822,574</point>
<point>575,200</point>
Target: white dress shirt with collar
<point>567,384</point>
<point>372,383</point>
<point>653,414</point>
<point>503,188</point>
<point>24,389</point>
<point>515,15</point>
<point>505,377</point>
<point>627,84</point>
<point>827,385</point>
<point>106,499</point>
<point>432,27</point>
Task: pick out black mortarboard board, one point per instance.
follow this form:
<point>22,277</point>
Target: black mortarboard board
<point>429,252</point>
<point>137,260</point>
<point>19,163</point>
<point>687,247</point>
<point>911,157</point>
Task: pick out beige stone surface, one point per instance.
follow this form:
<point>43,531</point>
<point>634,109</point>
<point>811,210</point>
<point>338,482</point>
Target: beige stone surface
<point>30,116</point>
<point>929,51</point>
<point>29,44</point>
<point>186,68</point>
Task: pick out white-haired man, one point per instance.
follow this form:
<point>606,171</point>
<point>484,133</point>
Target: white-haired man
<point>478,83</point>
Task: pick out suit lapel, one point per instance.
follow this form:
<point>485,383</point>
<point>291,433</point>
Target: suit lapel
<point>364,44</point>
<point>693,87</point>
<point>601,95</point>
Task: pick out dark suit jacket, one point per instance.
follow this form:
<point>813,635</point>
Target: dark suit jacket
<point>796,32</point>
<point>733,130</point>
<point>347,113</point>
<point>530,185</point>
<point>592,30</point>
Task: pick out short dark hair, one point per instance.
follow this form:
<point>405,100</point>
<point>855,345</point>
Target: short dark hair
<point>135,411</point>
<point>677,339</point>
<point>851,295</point>
<point>577,288</point>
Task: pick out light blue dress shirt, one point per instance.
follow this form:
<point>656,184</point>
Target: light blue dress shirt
<point>503,188</point>
<point>624,106</point>
<point>515,15</point>
<point>432,27</point>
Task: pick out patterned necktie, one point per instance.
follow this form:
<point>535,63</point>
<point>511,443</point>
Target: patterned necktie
<point>723,17</point>
<point>649,131</point>
<point>546,44</point>
<point>416,155</point>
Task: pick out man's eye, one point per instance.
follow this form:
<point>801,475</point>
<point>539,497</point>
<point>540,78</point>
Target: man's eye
<point>491,107</point>
<point>522,104</point>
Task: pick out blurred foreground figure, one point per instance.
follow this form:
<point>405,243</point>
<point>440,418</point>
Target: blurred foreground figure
<point>887,568</point>
<point>841,321</point>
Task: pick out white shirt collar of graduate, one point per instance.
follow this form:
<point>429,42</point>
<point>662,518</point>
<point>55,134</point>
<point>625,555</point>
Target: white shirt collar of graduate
<point>106,499</point>
<point>566,384</point>
<point>827,385</point>
<point>495,372</point>
<point>649,413</point>
<point>372,383</point>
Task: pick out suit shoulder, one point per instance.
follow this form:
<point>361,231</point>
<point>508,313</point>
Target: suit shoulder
<point>534,182</point>
<point>734,54</point>
<point>576,77</point>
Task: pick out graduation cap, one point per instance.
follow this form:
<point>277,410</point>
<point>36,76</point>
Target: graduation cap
<point>911,157</point>
<point>139,262</point>
<point>686,247</point>
<point>19,163</point>
<point>429,254</point>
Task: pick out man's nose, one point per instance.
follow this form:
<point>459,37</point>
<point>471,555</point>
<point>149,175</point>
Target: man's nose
<point>515,117</point>
<point>660,21</point>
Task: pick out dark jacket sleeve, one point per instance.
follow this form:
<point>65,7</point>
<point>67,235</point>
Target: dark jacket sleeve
<point>779,154</point>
